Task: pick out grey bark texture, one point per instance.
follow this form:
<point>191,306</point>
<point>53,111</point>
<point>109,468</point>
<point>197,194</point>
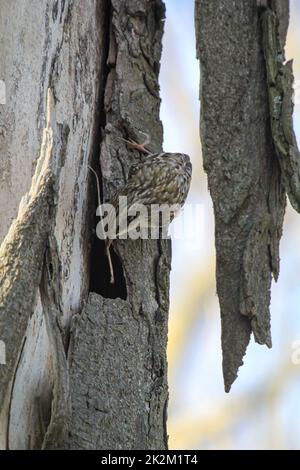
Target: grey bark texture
<point>244,172</point>
<point>123,390</point>
<point>84,370</point>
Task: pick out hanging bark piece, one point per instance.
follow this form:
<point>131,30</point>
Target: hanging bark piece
<point>244,175</point>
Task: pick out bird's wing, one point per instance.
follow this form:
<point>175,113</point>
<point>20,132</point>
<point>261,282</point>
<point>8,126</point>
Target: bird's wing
<point>154,181</point>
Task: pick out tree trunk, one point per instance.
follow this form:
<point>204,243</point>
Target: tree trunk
<point>85,360</point>
<point>250,155</point>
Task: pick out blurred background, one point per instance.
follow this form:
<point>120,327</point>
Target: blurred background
<point>262,410</point>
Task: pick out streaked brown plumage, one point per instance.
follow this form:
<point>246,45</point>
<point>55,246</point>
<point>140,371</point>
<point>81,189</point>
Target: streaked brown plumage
<point>158,179</point>
<point>162,178</point>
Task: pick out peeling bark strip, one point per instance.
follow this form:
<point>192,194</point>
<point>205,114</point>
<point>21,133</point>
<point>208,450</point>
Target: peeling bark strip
<point>69,57</point>
<point>118,368</point>
<point>244,176</point>
<point>22,253</point>
<point>280,87</point>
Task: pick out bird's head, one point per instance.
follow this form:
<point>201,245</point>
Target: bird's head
<point>179,160</point>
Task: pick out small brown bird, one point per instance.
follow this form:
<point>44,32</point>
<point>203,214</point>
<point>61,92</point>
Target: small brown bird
<point>158,179</point>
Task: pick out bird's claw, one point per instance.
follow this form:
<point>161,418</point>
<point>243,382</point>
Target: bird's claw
<point>140,147</point>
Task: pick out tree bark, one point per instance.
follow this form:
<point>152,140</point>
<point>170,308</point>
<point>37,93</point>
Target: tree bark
<point>85,361</point>
<point>247,173</point>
